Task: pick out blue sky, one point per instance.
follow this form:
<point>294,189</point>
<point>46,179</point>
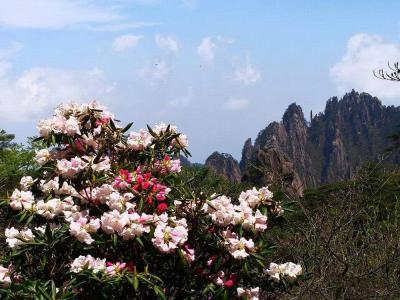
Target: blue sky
<point>220,70</point>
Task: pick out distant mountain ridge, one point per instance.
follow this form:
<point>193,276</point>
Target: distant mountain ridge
<point>331,147</point>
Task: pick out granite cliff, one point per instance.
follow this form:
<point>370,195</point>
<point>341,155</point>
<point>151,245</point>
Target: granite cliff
<point>331,147</point>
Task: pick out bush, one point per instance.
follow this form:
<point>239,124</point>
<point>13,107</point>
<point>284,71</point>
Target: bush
<point>109,216</point>
<point>346,236</point>
<point>15,161</point>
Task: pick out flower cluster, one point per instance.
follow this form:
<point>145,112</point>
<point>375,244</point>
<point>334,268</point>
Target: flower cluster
<point>5,276</point>
<point>168,165</point>
<point>88,262</point>
<point>168,237</point>
<point>15,237</point>
<point>238,247</point>
<point>249,294</point>
<point>21,200</point>
<point>97,265</point>
<point>288,271</point>
<point>119,195</point>
<point>223,212</point>
<point>68,119</point>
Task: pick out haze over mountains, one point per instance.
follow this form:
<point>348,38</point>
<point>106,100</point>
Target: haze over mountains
<point>331,147</point>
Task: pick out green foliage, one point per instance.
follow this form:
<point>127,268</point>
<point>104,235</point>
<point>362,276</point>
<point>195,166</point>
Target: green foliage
<point>346,235</point>
<point>202,179</point>
<point>15,161</point>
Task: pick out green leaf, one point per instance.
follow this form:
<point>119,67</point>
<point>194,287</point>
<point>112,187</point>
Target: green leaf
<point>139,240</point>
<point>152,132</point>
<point>135,283</point>
<point>115,240</point>
<point>126,128</point>
<point>159,292</point>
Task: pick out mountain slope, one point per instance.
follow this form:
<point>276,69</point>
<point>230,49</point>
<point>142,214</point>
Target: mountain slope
<point>329,148</point>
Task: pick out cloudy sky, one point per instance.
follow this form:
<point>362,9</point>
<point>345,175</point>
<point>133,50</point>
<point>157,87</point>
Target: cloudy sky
<point>220,70</point>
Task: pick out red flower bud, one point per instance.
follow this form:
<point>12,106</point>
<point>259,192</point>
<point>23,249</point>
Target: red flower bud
<point>162,207</point>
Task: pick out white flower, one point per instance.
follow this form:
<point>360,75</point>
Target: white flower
<point>49,186</point>
<point>66,189</point>
<point>102,165</point>
<point>58,124</point>
<point>83,228</point>
<point>265,195</point>
<point>44,128</point>
<point>21,200</point>
<point>137,226</point>
<point>167,239</point>
<point>5,278</point>
<point>26,182</point>
<point>162,128</point>
<point>49,209</point>
<point>257,222</point>
<point>291,271</point>
<point>254,197</point>
<point>221,210</point>
<point>42,156</point>
<point>182,140</point>
<point>250,198</point>
<point>15,237</point>
<point>260,223</point>
<point>72,126</point>
<point>249,294</point>
<point>278,209</point>
<point>114,221</point>
<point>102,192</point>
<point>88,262</point>
<point>116,201</point>
<point>238,248</point>
<point>69,168</point>
<point>68,109</point>
<point>139,140</point>
<point>288,270</point>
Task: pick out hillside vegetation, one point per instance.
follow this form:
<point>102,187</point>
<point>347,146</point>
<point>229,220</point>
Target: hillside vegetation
<point>345,235</point>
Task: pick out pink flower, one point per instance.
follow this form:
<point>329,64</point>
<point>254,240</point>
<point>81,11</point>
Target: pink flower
<point>113,269</point>
<point>167,238</point>
<point>188,253</point>
<point>123,180</point>
<point>103,121</point>
<point>231,281</point>
<point>161,196</point>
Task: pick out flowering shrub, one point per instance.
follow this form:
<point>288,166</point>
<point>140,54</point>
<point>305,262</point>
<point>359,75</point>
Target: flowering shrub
<point>110,217</point>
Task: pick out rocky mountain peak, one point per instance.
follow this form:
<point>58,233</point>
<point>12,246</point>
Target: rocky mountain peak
<point>224,164</point>
<point>349,132</point>
<point>293,113</point>
<point>333,146</point>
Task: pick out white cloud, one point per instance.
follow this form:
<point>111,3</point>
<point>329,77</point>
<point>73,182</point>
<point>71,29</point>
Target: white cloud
<point>37,90</point>
<point>236,104</point>
<point>365,53</point>
<point>184,100</point>
<point>125,42</point>
<point>59,14</point>
<point>168,43</point>
<point>206,50</point>
<point>248,75</point>
<point>52,14</point>
<point>120,26</point>
<point>156,72</point>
